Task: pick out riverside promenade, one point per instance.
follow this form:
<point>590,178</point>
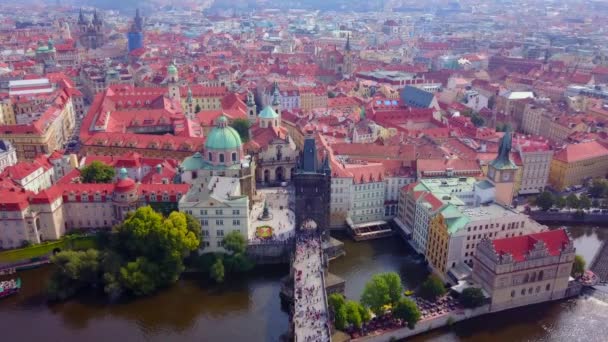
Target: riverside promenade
<point>311,322</point>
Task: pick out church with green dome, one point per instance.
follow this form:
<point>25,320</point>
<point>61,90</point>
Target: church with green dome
<point>222,156</point>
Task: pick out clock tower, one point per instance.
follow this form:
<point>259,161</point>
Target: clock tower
<point>501,172</point>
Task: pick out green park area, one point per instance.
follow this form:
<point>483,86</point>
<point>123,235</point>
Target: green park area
<point>45,248</point>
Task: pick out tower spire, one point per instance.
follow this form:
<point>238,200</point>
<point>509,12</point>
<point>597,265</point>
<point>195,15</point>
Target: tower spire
<point>347,47</point>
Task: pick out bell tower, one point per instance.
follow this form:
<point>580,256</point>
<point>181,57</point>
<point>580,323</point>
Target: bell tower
<point>502,171</point>
<point>252,112</point>
<point>173,82</point>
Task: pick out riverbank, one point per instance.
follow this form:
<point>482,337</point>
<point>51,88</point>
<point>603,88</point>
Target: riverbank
<point>249,308</point>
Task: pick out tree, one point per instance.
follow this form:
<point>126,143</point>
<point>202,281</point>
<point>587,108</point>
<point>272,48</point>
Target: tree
<point>477,120</point>
<point>74,270</point>
<point>572,201</point>
<point>578,267</point>
<point>472,297</point>
<point>560,202</point>
<point>335,301</point>
<point>140,276</point>
<point>331,94</point>
<point>598,188</point>
<point>545,200</point>
<point>193,225</point>
<point>383,289</point>
<point>341,318</point>
<point>353,314</point>
<point>407,311</point>
<point>432,288</point>
<point>584,202</point>
<point>197,108</point>
<point>235,242</point>
<point>97,172</point>
<point>217,271</point>
<point>153,248</point>
<point>241,126</point>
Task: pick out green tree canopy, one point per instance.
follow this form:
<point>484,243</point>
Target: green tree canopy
<point>599,188</point>
<point>241,126</point>
<point>432,288</point>
<point>353,314</point>
<point>153,247</point>
<point>560,202</point>
<point>408,311</point>
<point>217,271</point>
<point>572,201</point>
<point>235,242</point>
<point>545,200</point>
<point>584,202</point>
<point>197,108</point>
<point>97,172</point>
<point>472,297</point>
<point>74,270</point>
<point>383,289</point>
<point>578,267</point>
<point>477,120</point>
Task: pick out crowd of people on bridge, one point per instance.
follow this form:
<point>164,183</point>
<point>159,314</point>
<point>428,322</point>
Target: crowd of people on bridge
<point>310,316</point>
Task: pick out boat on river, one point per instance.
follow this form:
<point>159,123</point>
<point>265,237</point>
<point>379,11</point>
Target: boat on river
<point>9,287</point>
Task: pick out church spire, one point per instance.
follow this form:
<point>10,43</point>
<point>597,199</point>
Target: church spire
<point>347,47</point>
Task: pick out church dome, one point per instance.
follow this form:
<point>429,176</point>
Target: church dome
<point>223,137</point>
<point>124,184</point>
<point>268,113</point>
<point>172,69</point>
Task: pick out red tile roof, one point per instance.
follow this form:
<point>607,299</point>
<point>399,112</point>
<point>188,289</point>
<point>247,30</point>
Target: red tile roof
<point>582,151</point>
<point>519,246</point>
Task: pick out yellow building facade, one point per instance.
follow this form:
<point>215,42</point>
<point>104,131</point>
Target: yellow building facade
<point>577,163</point>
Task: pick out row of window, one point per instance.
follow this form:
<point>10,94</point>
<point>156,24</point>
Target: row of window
<point>530,290</point>
<point>205,223</point>
<point>221,157</point>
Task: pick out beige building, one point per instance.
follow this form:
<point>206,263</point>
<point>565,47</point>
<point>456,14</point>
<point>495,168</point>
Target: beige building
<point>531,120</point>
<point>524,270</point>
<point>46,134</point>
<point>536,157</point>
<point>559,128</point>
<point>576,163</point>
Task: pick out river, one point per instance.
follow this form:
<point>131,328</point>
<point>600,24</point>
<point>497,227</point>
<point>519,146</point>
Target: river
<point>249,309</point>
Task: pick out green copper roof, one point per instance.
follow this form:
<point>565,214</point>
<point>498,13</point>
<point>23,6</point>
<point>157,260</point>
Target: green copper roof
<point>223,137</point>
<point>194,162</point>
<point>268,113</point>
<point>503,160</point>
<point>454,219</point>
<point>172,69</point>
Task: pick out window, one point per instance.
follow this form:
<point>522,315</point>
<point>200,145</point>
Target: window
<point>540,275</point>
<point>523,292</point>
<point>236,212</point>
<point>512,293</point>
<point>220,243</point>
<point>219,212</point>
<point>530,291</point>
<point>221,157</point>
<point>210,156</point>
<point>219,222</point>
<point>205,233</point>
<point>537,289</point>
<point>204,222</point>
<point>233,156</point>
<point>219,232</point>
<point>203,211</point>
<point>548,287</point>
<point>236,222</point>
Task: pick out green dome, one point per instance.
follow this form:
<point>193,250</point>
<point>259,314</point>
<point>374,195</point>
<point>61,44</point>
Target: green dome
<point>223,137</point>
<point>268,113</point>
<point>172,69</point>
